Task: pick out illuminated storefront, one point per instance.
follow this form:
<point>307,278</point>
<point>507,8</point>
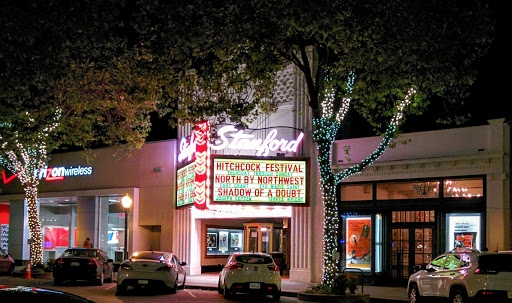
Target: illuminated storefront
<point>230,202</point>
<point>77,200</point>
<point>441,191</point>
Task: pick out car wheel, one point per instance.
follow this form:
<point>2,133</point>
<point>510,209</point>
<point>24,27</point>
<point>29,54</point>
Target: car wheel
<point>10,272</point>
<point>184,278</point>
<point>173,289</point>
<point>227,293</point>
<point>219,290</point>
<point>121,289</point>
<point>458,296</point>
<point>276,296</point>
<point>414,294</point>
<point>57,282</point>
<point>100,281</point>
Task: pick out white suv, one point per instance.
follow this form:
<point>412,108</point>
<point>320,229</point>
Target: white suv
<point>463,275</point>
<point>247,272</point>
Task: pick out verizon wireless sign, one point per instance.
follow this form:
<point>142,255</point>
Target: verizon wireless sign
<point>55,173</point>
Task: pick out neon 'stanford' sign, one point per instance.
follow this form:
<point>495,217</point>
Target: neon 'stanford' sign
<point>230,137</point>
<point>259,181</point>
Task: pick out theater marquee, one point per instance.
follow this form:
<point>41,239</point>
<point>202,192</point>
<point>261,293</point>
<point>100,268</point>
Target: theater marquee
<point>259,181</point>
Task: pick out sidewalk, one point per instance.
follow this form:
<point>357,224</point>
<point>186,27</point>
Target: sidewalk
<point>378,294</point>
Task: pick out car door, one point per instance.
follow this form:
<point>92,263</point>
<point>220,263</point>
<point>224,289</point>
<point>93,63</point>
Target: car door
<point>449,274</point>
<point>430,280</point>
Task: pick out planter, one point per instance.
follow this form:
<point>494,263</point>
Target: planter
<point>41,275</point>
<point>350,298</point>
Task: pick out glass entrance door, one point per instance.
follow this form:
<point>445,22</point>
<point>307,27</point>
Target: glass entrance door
<point>411,245</point>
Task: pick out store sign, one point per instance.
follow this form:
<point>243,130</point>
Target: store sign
<point>259,181</point>
<point>55,173</point>
<point>232,138</point>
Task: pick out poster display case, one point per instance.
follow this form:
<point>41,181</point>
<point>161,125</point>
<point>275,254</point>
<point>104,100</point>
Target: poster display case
<point>223,241</point>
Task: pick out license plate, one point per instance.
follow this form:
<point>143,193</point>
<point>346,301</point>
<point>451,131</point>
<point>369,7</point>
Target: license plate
<point>143,282</point>
<point>254,285</point>
<point>510,294</point>
<point>75,263</point>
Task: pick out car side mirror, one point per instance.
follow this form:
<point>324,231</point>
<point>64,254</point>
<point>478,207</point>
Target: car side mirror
<point>431,269</point>
<point>110,260</point>
<point>183,263</point>
<point>423,266</point>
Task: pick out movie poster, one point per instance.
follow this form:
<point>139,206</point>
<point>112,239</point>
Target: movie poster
<point>358,242</point>
<point>464,231</point>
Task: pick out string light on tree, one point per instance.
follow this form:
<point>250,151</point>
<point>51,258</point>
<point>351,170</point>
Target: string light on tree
<point>325,130</point>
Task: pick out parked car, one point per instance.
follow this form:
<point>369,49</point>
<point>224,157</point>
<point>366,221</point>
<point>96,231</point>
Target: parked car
<point>464,275</point>
<point>6,263</point>
<point>247,272</point>
<point>89,264</point>
<point>151,269</point>
<point>40,295</point>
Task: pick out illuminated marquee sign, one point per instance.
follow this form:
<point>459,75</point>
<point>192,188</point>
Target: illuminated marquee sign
<point>260,181</point>
<point>239,140</point>
<point>185,185</point>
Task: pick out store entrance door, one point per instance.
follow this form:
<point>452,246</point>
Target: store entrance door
<point>411,243</point>
<point>411,247</point>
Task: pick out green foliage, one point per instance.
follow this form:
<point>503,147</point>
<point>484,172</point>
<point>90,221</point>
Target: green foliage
<point>344,282</point>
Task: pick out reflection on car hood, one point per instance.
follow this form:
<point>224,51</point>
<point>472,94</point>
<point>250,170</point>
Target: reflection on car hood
<point>21,293</point>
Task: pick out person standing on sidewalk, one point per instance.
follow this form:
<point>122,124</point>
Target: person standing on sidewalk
<point>87,243</point>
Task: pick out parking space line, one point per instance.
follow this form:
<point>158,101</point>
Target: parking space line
<point>190,293</point>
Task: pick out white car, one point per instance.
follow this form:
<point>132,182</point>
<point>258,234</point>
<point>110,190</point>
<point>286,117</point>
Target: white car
<point>247,272</point>
<point>462,276</point>
<point>151,269</point>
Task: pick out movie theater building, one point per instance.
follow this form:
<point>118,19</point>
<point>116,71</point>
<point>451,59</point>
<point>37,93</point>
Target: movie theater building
<point>79,200</point>
<point>442,190</point>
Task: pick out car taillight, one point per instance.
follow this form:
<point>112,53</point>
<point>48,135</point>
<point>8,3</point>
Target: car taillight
<point>483,271</point>
<point>59,261</point>
<point>93,262</point>
<point>126,267</point>
<point>235,265</point>
<point>273,267</point>
<point>165,268</point>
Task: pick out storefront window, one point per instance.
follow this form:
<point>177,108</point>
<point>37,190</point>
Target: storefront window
<point>56,226</point>
<point>115,233</point>
<point>463,231</point>
<point>223,241</point>
<point>408,190</point>
<point>463,188</point>
<point>356,192</point>
<point>358,242</point>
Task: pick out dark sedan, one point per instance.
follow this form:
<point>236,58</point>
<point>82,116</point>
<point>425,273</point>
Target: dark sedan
<point>40,295</point>
<point>90,264</point>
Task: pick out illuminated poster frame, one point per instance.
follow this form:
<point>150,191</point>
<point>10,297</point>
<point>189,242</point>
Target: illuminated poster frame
<point>262,181</point>
<point>358,242</point>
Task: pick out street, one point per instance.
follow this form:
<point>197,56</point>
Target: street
<point>107,293</point>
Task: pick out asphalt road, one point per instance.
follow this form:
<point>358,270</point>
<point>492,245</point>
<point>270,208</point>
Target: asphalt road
<point>107,293</point>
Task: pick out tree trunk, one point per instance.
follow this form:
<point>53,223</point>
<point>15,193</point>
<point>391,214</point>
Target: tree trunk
<point>34,225</point>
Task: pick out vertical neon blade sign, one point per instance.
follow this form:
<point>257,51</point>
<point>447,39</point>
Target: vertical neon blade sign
<point>202,160</point>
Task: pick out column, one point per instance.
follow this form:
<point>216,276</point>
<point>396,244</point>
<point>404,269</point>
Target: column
<point>86,221</point>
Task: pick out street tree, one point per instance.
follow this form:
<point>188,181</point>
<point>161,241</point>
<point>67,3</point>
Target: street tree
<point>383,59</point>
<point>71,76</point>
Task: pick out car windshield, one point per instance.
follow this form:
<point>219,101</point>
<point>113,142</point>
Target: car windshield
<point>254,259</point>
<point>498,262</point>
<point>80,253</point>
<point>149,255</point>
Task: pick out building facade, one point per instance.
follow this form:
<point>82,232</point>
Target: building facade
<point>442,190</point>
